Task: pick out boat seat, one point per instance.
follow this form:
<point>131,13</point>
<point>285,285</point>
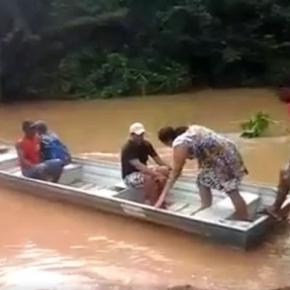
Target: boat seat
<point>224,208</point>
<point>120,185</point>
<point>7,159</point>
<point>71,173</point>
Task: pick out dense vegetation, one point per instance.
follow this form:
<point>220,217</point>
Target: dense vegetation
<point>106,48</point>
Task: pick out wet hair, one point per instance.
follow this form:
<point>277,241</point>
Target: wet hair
<point>26,125</point>
<point>168,134</point>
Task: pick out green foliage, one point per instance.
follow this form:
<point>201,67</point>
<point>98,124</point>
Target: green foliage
<point>146,49</point>
<point>256,125</point>
<point>64,10</point>
<point>92,74</point>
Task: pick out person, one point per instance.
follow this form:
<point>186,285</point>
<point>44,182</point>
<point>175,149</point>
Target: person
<point>50,145</point>
<point>275,210</point>
<point>135,172</point>
<point>28,151</point>
<point>220,164</point>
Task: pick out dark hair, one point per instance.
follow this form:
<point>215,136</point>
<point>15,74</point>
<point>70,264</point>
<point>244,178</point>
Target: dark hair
<point>168,134</point>
<point>41,127</point>
<point>26,125</point>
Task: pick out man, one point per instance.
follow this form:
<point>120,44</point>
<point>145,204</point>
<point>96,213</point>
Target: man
<point>50,145</point>
<point>135,172</point>
<point>28,150</point>
<point>275,210</point>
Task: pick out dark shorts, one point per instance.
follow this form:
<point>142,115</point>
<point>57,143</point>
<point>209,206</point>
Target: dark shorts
<point>50,167</point>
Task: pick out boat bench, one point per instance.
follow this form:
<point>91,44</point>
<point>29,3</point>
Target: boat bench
<point>71,173</point>
<point>224,208</point>
<point>6,157</point>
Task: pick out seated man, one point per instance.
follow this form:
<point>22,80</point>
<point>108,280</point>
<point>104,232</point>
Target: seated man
<point>28,150</point>
<point>50,145</point>
<point>135,172</point>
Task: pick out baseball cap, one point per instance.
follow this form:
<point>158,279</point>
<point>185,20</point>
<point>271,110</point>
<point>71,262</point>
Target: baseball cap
<point>137,128</point>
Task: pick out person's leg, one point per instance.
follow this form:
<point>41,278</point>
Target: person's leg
<point>205,181</point>
<point>146,183</point>
<point>37,172</point>
<point>239,204</point>
<point>154,186</point>
<point>284,213</point>
<point>152,189</point>
<point>164,174</point>
<point>149,185</point>
<point>283,190</point>
<point>52,169</point>
<point>205,196</point>
<point>32,172</point>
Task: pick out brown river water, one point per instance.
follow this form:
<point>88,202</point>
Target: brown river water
<point>48,245</point>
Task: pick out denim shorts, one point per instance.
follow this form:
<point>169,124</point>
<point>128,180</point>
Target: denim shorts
<point>50,167</point>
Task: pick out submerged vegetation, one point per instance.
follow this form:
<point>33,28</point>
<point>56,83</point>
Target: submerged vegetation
<point>257,125</point>
<point>108,48</point>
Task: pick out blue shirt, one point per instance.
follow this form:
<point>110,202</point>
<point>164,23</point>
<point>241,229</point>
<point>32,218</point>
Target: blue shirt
<point>53,148</point>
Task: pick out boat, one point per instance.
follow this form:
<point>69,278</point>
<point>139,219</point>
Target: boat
<point>98,185</point>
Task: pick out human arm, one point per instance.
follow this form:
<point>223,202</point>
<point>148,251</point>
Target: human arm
<point>179,158</point>
<point>161,162</point>
<point>154,155</point>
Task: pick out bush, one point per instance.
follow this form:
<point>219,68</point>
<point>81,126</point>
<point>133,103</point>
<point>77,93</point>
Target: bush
<point>223,43</point>
<point>105,75</point>
<point>256,126</point>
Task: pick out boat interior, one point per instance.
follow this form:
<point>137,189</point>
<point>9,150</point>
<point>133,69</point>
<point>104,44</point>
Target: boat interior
<point>103,179</point>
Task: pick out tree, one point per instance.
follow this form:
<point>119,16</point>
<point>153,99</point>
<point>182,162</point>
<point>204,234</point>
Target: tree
<point>217,43</point>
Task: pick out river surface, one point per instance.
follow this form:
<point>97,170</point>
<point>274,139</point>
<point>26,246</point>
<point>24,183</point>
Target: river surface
<point>47,245</point>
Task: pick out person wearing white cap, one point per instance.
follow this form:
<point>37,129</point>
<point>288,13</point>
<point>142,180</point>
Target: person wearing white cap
<point>135,172</point>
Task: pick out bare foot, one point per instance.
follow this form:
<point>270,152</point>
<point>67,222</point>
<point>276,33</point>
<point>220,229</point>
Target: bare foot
<point>270,211</point>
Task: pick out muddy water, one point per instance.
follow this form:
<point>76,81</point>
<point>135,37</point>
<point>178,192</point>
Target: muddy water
<point>46,245</point>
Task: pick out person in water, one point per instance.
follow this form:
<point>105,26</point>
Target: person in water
<point>135,172</point>
<point>28,151</point>
<point>220,164</point>
<point>50,145</point>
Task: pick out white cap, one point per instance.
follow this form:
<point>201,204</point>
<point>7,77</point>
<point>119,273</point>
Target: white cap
<point>137,128</point>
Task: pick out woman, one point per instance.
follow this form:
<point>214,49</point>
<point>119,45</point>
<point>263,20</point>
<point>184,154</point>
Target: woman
<point>220,164</point>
